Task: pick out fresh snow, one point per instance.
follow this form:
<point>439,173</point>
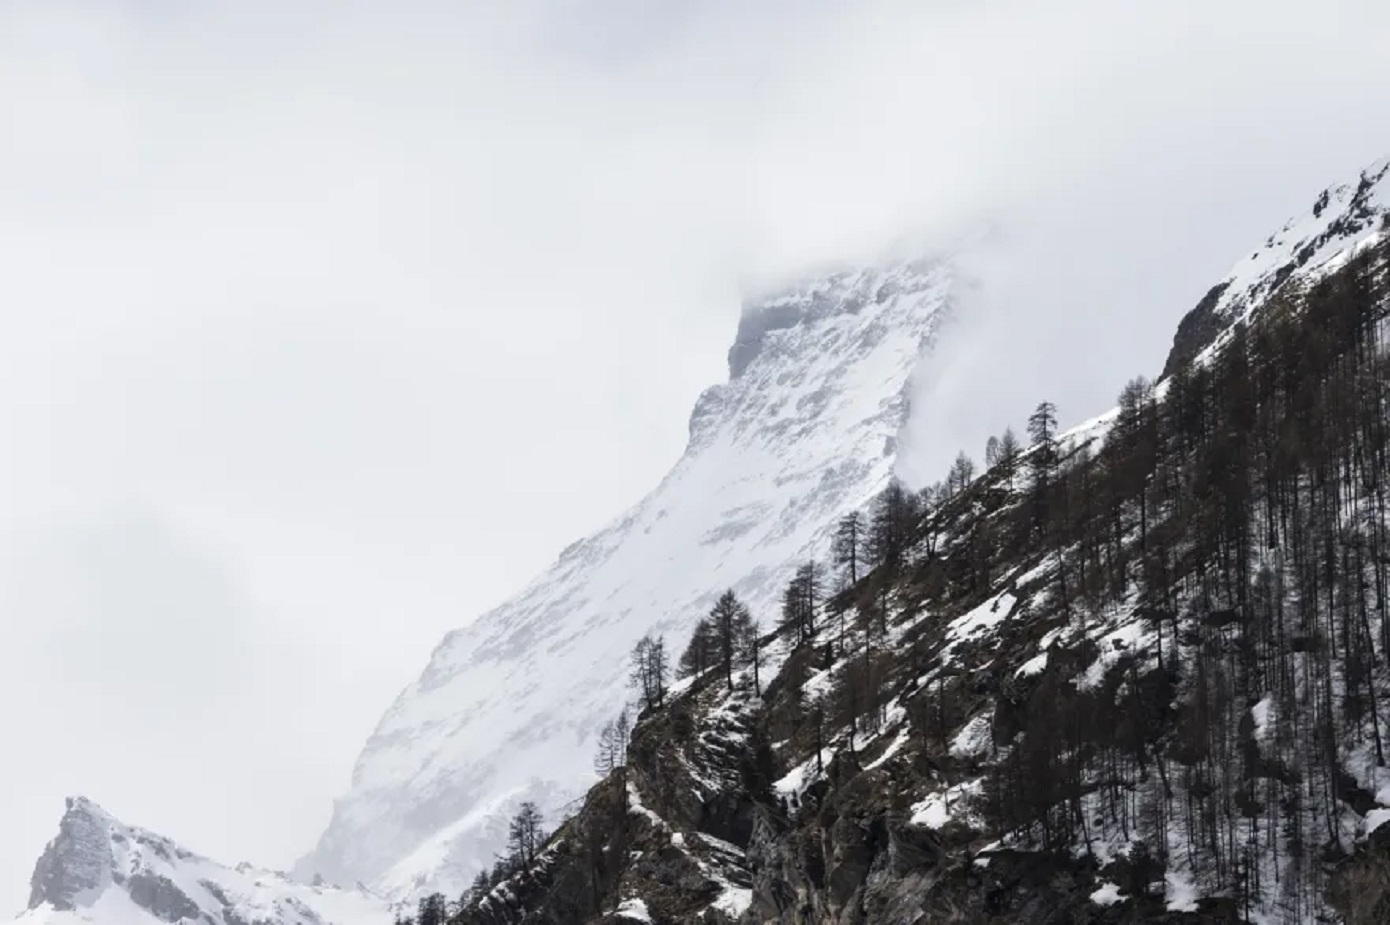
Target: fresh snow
<point>1107,895</point>
<point>734,901</point>
<point>890,751</point>
<point>1033,666</point>
<point>1263,715</point>
<point>1342,219</point>
<point>974,738</point>
<point>1376,818</point>
<point>805,430</point>
<point>1181,893</point>
<point>634,909</point>
<point>96,861</point>
<point>941,807</point>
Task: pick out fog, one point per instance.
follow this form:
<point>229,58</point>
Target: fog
<point>325,325</point>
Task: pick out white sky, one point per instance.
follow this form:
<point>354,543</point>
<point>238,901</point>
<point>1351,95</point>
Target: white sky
<point>324,325</point>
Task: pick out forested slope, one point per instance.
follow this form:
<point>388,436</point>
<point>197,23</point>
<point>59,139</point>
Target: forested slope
<point>1132,672</point>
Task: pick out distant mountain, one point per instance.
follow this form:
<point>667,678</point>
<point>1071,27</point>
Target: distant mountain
<point>101,870</point>
<point>805,429</point>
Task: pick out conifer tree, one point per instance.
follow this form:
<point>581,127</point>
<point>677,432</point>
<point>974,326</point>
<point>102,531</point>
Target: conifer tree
<point>730,621</point>
<point>848,546</point>
<point>525,835</point>
<point>649,671</point>
<point>891,526</point>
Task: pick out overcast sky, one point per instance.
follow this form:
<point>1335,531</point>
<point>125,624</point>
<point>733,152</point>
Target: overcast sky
<point>324,325</point>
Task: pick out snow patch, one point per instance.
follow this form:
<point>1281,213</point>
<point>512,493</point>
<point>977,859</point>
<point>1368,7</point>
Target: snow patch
<point>1107,895</point>
<point>1181,892</point>
<point>974,738</point>
<point>941,807</point>
<point>634,909</point>
<point>1034,666</point>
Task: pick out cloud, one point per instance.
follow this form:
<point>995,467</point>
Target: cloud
<point>366,310</point>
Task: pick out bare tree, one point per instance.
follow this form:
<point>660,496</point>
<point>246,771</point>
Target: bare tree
<point>649,671</point>
<point>526,835</point>
<point>848,545</point>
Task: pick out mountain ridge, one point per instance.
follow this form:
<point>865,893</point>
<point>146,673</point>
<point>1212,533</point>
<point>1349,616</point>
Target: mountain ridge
<point>99,869</point>
<point>815,370</point>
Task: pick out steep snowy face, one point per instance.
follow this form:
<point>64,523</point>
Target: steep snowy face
<point>100,870</point>
<point>804,430</point>
<point>1342,217</point>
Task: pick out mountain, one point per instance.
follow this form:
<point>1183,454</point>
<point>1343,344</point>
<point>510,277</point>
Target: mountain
<point>101,870</point>
<point>1341,217</point>
<point>804,430</point>
<point>1139,672</point>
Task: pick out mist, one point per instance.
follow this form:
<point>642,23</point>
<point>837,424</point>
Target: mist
<point>324,326</point>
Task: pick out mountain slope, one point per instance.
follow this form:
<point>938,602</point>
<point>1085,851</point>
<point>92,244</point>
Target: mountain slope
<point>804,430</point>
<point>1342,217</point>
<point>101,870</point>
<point>1140,673</point>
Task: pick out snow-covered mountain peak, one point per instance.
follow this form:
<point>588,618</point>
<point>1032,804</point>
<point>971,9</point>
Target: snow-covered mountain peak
<point>811,300</point>
<point>99,869</point>
<point>805,429</point>
<point>1341,218</point>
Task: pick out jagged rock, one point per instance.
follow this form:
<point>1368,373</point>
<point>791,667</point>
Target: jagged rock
<point>98,869</point>
<point>161,897</point>
<point>77,863</point>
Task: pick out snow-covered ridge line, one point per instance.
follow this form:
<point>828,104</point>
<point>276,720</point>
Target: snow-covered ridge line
<point>1342,218</point>
<point>805,429</point>
<point>98,869</point>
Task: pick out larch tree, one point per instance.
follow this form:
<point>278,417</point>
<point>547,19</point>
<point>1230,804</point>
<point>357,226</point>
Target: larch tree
<point>525,835</point>
<point>649,671</point>
<point>848,545</point>
<point>730,620</point>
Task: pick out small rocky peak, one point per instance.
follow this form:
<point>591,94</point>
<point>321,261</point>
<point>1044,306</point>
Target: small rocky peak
<point>77,865</point>
<point>815,298</point>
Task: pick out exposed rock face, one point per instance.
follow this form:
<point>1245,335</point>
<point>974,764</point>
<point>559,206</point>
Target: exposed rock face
<point>100,870</point>
<point>78,863</point>
<point>1197,330</point>
<point>804,430</point>
<point>160,897</point>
